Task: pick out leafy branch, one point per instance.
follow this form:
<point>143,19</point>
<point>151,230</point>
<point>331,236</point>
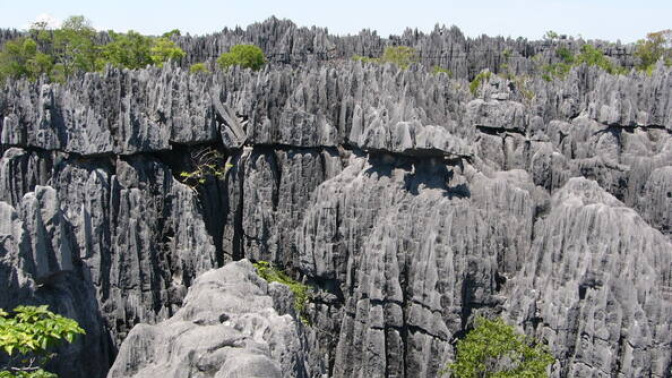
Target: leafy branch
<point>207,162</point>
<point>27,336</point>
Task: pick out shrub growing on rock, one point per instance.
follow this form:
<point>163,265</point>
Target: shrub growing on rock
<point>301,292</point>
<point>246,56</point>
<point>494,349</point>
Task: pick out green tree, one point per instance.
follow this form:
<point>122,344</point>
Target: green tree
<point>592,56</point>
<point>494,349</point>
<point>74,46</point>
<point>163,50</point>
<point>198,67</point>
<point>550,35</point>
<point>28,336</point>
<point>565,55</point>
<point>170,34</point>
<point>131,50</point>
<point>20,58</point>
<point>246,56</point>
<point>402,56</point>
<point>656,45</point>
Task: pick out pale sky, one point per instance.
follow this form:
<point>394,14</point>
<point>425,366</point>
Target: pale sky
<point>627,20</point>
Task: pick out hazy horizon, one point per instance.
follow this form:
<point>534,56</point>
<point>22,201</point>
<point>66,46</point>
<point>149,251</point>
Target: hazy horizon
<point>601,19</point>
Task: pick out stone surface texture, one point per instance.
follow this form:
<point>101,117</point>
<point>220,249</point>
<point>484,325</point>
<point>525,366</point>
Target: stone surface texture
<point>406,202</point>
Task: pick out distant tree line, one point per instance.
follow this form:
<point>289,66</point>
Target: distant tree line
<point>77,47</point>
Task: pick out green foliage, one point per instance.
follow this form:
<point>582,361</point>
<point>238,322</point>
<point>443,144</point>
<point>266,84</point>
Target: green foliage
<point>20,58</point>
<point>301,291</point>
<point>589,55</point>
<point>557,70</point>
<point>207,162</point>
<point>39,373</point>
<point>478,81</point>
<point>364,59</point>
<point>437,70</point>
<point>246,56</point>
<point>198,67</point>
<point>402,56</point>
<point>28,335</point>
<point>170,34</point>
<point>494,349</point>
<point>131,50</point>
<point>551,35</point>
<point>592,56</point>
<point>656,45</point>
<point>163,50</point>
<point>564,54</point>
<point>74,47</point>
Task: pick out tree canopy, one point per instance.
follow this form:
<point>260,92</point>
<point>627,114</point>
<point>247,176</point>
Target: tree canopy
<point>656,45</point>
<point>246,56</point>
<point>77,47</point>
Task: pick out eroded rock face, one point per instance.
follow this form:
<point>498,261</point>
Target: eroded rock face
<point>228,327</point>
<point>597,286</point>
<point>407,202</point>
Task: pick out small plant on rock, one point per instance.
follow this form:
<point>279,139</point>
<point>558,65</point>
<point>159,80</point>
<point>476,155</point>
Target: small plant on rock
<point>402,56</point>
<point>438,70</point>
<point>479,81</point>
<point>198,68</point>
<point>206,162</point>
<point>301,291</point>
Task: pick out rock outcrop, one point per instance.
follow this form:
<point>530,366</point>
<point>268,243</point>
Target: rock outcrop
<point>408,203</point>
<point>228,327</point>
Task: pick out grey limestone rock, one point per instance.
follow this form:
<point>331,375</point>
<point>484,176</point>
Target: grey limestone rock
<point>415,250</point>
<point>408,203</point>
<point>596,286</point>
<point>228,327</point>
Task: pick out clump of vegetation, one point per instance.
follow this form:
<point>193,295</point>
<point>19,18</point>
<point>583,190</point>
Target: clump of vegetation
<point>198,68</point>
<point>592,56</point>
<point>207,162</point>
<point>246,56</point>
<point>301,291</point>
<point>478,81</point>
<point>551,36</point>
<point>20,58</point>
<point>438,70</point>
<point>170,34</point>
<point>656,45</point>
<point>163,50</point>
<point>589,55</point>
<point>74,48</point>
<point>402,56</point>
<point>28,335</point>
<point>565,55</point>
<point>494,349</point>
<point>131,50</point>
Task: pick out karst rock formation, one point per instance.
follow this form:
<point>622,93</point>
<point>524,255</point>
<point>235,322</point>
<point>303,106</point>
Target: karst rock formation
<point>408,203</point>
